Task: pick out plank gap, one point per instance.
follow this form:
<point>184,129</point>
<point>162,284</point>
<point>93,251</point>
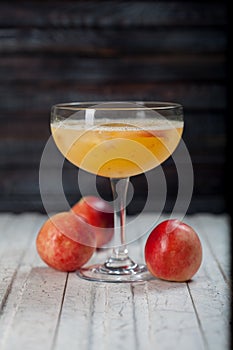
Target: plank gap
<point>132,288</point>
<point>59,314</point>
<point>92,311</point>
<point>225,277</point>
<point>218,264</point>
<point>198,319</point>
<point>7,293</point>
<point>15,269</point>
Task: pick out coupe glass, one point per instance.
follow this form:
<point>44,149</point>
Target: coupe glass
<point>117,140</point>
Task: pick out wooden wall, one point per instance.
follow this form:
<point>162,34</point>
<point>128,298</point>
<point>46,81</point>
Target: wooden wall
<point>60,51</point>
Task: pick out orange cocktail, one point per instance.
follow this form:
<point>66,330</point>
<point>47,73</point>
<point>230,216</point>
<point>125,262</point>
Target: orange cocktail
<point>117,149</point>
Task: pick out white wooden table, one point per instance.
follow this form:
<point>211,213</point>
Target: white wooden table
<point>41,308</point>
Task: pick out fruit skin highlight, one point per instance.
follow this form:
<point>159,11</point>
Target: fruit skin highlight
<point>173,251</point>
<point>65,242</point>
<point>99,214</point>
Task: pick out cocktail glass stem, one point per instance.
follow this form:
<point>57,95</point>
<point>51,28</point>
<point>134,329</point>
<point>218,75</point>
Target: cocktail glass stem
<point>119,267</point>
<point>119,258</point>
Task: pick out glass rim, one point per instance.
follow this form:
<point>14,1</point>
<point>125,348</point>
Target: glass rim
<point>145,105</point>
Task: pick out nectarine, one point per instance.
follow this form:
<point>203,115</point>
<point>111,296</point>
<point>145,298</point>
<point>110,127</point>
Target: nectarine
<point>173,251</point>
<point>99,214</point>
<point>65,242</point>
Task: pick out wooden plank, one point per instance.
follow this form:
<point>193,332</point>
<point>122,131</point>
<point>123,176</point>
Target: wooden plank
<point>32,202</point>
<point>21,152</point>
<point>112,42</point>
<point>216,231</point>
<point>41,96</point>
<point>17,225</point>
<point>209,290</point>
<point>77,310</point>
<point>207,282</point>
<point>192,119</point>
<point>206,182</point>
<point>159,306</point>
<point>18,283</point>
<point>4,222</point>
<point>36,130</point>
<point>169,315</point>
<point>12,226</point>
<point>204,159</point>
<point>99,70</point>
<point>102,313</point>
<point>27,153</point>
<point>123,14</point>
<point>42,285</point>
<point>21,191</point>
<point>23,138</point>
<point>31,258</point>
<point>116,317</point>
<point>43,294</point>
<point>35,288</point>
<point>26,182</point>
<point>17,204</point>
<point>216,203</point>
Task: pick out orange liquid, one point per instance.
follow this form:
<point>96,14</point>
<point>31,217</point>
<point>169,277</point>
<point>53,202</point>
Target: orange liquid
<point>119,149</point>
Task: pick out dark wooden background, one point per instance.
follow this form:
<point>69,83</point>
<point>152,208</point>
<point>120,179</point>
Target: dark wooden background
<point>60,51</point>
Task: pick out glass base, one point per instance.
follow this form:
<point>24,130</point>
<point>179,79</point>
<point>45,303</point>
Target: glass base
<point>103,273</point>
